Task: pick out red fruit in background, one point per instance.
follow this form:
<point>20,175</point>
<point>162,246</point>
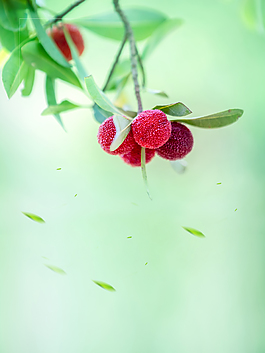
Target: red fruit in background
<point>134,157</point>
<point>57,34</point>
<point>106,134</point>
<point>179,144</point>
<point>151,128</point>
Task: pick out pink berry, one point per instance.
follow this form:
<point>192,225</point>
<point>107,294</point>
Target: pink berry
<point>151,128</point>
<point>134,157</point>
<point>106,134</point>
<point>57,34</point>
<point>179,144</point>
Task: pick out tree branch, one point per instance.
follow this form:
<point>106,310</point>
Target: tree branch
<point>129,33</point>
<point>115,62</point>
<point>60,16</point>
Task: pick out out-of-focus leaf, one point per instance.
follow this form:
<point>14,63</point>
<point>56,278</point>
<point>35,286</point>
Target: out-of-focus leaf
<point>144,174</point>
<point>217,120</point>
<point>174,109</point>
<point>56,269</point>
<point>34,217</point>
<point>28,81</point>
<point>34,55</point>
<point>12,15</point>
<point>143,22</point>
<point>250,13</point>
<point>100,114</point>
<point>51,98</point>
<point>13,72</point>
<point>80,69</point>
<point>121,71</point>
<point>10,40</point>
<point>165,28</point>
<point>99,97</point>
<point>195,232</point>
<point>105,286</point>
<point>179,166</point>
<point>47,43</point>
<point>59,108</point>
<point>123,127</point>
<point>157,92</point>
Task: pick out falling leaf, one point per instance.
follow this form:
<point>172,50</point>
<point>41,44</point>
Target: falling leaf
<point>58,168</point>
<point>146,263</point>
<point>218,183</point>
<point>75,195</point>
<point>129,237</point>
<point>235,209</point>
<point>195,232</point>
<point>34,217</point>
<point>105,286</point>
<point>56,269</point>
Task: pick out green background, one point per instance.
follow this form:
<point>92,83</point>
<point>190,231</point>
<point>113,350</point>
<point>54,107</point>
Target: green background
<point>194,295</point>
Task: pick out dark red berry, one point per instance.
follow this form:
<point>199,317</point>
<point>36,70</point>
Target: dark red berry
<point>151,128</point>
<point>134,157</point>
<point>179,144</point>
<point>57,34</point>
<point>106,134</point>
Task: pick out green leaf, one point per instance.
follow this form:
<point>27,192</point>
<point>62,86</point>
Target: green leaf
<point>143,22</point>
<point>59,108</point>
<point>10,40</point>
<point>174,109</point>
<point>144,174</point>
<point>100,114</point>
<point>105,286</point>
<point>165,28</point>
<point>12,15</point>
<point>121,71</point>
<point>179,166</point>
<point>50,96</point>
<point>28,81</point>
<point>217,120</point>
<point>99,97</point>
<point>157,92</point>
<point>75,55</point>
<point>14,72</point>
<point>56,269</point>
<point>34,55</point>
<point>123,127</point>
<point>195,232</point>
<point>47,43</point>
<point>34,217</point>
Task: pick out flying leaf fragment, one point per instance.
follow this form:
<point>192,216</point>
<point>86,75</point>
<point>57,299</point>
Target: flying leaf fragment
<point>195,232</point>
<point>59,169</point>
<point>105,286</point>
<point>34,217</point>
<point>56,269</point>
<point>218,183</point>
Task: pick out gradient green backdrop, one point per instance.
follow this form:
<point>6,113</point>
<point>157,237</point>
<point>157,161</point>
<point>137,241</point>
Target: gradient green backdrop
<point>194,295</point>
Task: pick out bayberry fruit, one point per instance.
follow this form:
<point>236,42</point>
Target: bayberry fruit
<point>57,34</point>
<point>133,158</point>
<point>179,144</point>
<point>106,134</point>
<point>151,128</point>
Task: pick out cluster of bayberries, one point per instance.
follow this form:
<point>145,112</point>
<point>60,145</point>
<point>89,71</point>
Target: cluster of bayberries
<point>152,130</point>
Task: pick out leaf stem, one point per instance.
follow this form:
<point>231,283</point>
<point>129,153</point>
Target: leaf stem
<point>115,62</point>
<point>133,52</point>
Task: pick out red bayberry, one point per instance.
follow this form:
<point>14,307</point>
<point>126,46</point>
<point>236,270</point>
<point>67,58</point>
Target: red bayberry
<point>179,144</point>
<point>151,128</point>
<point>57,34</point>
<point>106,134</point>
<point>134,157</point>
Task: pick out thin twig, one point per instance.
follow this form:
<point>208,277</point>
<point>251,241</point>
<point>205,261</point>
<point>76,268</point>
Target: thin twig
<point>115,62</point>
<point>129,33</point>
<point>60,16</point>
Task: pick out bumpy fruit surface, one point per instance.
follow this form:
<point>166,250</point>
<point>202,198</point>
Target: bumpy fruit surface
<point>179,144</point>
<point>133,158</point>
<point>106,134</point>
<point>151,128</point>
<point>57,34</point>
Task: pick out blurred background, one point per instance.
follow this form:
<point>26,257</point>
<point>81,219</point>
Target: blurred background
<point>174,292</point>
